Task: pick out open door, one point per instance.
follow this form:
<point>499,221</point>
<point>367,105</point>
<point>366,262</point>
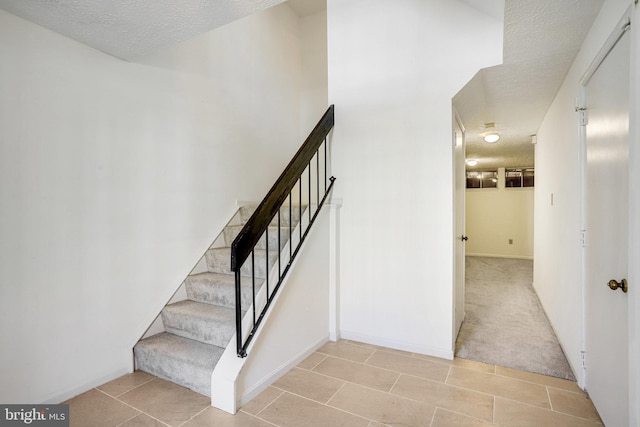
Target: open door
<point>459,226</point>
<point>606,202</point>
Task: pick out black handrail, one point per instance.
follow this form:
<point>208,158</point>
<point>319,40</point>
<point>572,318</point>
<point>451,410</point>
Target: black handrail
<point>257,225</point>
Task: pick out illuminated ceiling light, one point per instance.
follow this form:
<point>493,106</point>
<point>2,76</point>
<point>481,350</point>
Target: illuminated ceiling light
<point>491,137</point>
<point>472,162</point>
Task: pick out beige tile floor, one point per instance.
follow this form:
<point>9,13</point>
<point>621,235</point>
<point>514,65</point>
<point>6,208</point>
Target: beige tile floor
<point>352,384</point>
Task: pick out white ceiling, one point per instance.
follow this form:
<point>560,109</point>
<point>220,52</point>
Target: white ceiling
<point>130,29</point>
<point>541,40</point>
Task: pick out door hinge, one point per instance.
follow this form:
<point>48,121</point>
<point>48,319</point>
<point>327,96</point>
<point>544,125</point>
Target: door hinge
<point>583,359</point>
<point>583,238</point>
<point>584,117</point>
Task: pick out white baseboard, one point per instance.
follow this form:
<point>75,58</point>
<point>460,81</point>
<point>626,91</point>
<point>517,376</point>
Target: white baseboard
<point>500,256</point>
<point>273,376</point>
<point>58,397</point>
<point>444,353</point>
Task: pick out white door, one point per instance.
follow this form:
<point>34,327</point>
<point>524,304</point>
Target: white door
<point>606,214</point>
<point>460,181</point>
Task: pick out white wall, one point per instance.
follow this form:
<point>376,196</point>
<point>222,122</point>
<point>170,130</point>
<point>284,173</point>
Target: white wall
<point>314,97</point>
<point>557,279</point>
<point>495,215</point>
<point>115,177</point>
<point>393,69</point>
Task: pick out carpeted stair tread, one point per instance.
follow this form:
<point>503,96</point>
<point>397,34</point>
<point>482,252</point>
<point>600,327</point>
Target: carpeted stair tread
<point>210,324</point>
<point>177,359</point>
<point>219,261</point>
<point>219,289</point>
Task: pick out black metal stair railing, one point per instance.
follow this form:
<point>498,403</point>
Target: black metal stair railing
<point>294,202</point>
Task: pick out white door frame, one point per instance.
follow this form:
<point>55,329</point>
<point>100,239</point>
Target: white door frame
<point>458,210</point>
<point>634,203</point>
<point>634,219</point>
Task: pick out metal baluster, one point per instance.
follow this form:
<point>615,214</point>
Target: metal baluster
<point>317,177</point>
<point>279,269</point>
<point>325,165</point>
<point>266,256</point>
<point>309,208</point>
<point>290,229</point>
<point>238,315</point>
<point>253,285</point>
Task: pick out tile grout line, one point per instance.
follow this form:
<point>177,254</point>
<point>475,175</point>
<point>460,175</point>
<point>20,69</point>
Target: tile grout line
<point>195,415</point>
<point>549,398</point>
<point>127,420</point>
<point>538,383</point>
<point>138,386</point>
<point>549,410</point>
<point>370,356</point>
<point>131,406</point>
<point>335,407</point>
<point>442,408</point>
<point>394,383</point>
<point>433,417</point>
<point>316,365</point>
<point>493,415</point>
<point>337,391</point>
<point>268,404</point>
<point>400,375</point>
<point>446,379</point>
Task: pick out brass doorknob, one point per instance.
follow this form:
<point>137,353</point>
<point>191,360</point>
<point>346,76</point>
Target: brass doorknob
<point>622,285</point>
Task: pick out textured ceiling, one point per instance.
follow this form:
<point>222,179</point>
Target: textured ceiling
<point>541,40</point>
<point>130,29</point>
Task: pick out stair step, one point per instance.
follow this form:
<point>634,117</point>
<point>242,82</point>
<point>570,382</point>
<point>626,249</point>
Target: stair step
<point>210,324</point>
<point>219,289</point>
<point>183,361</point>
<point>247,211</point>
<point>232,231</point>
<point>219,261</point>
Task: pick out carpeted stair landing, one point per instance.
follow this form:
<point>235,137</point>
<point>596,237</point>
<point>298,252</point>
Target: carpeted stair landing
<point>198,329</point>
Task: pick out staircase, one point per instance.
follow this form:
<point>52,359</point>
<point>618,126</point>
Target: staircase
<point>198,329</point>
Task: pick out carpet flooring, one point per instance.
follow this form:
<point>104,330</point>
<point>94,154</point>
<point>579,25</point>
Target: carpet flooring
<point>505,324</point>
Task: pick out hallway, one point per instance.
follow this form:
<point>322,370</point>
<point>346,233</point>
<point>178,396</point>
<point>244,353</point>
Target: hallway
<point>505,323</point>
<point>351,384</point>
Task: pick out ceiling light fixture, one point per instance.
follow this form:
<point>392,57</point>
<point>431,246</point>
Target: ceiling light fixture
<point>491,137</point>
<point>471,162</point>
